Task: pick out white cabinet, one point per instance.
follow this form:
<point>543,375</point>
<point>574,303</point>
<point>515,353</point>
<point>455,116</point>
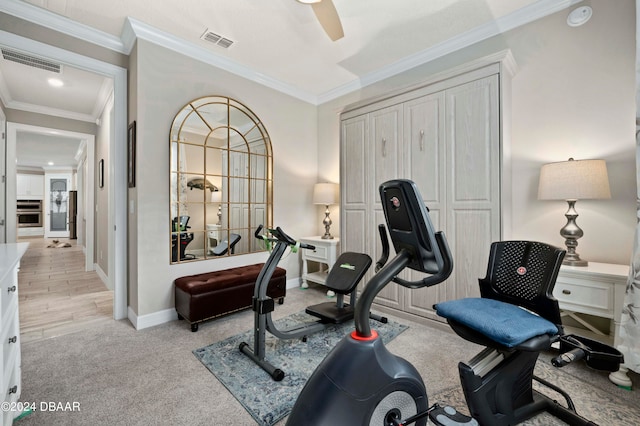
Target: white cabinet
<point>29,187</point>
<point>325,254</point>
<point>10,377</point>
<point>447,139</point>
<point>597,289</point>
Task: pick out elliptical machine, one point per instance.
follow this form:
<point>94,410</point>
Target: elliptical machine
<point>342,279</point>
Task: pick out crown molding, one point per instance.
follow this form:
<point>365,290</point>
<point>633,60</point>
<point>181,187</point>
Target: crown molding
<point>147,32</point>
<point>39,109</point>
<point>515,19</point>
<point>61,24</point>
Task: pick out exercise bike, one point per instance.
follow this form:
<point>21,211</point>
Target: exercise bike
<point>361,383</point>
<point>342,279</point>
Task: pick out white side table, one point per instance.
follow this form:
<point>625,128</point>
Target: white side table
<point>325,253</point>
<point>213,237</point>
<point>597,289</point>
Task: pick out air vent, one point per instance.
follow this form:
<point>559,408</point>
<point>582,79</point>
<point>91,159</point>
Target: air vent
<point>32,61</point>
<point>216,39</point>
<point>225,42</point>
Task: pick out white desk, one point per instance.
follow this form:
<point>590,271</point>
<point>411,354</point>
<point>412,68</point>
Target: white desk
<point>597,289</point>
<point>325,253</point>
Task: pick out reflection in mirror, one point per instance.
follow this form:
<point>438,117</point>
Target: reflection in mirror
<point>220,180</point>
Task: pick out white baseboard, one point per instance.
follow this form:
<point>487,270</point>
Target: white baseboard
<point>101,275</point>
<point>150,320</point>
<point>293,283</point>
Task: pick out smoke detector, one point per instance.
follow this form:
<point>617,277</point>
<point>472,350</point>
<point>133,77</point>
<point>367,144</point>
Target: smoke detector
<point>579,16</point>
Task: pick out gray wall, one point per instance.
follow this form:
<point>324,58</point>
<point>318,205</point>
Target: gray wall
<point>165,82</point>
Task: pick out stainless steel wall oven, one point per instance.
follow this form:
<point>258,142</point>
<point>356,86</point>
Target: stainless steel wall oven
<point>29,213</point>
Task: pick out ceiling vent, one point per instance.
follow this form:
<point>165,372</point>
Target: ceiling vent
<point>216,39</point>
<point>30,60</point>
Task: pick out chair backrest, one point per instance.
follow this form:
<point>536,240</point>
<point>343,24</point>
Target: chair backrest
<point>180,224</point>
<point>226,245</point>
<point>524,273</point>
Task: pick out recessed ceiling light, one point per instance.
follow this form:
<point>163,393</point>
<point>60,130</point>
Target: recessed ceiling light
<point>50,163</point>
<point>55,82</point>
<point>579,16</point>
<point>309,1</point>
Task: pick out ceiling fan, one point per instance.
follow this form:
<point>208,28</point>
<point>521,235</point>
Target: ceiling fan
<point>327,16</point>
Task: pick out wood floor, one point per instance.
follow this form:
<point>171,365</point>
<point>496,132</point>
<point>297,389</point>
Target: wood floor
<point>56,295</point>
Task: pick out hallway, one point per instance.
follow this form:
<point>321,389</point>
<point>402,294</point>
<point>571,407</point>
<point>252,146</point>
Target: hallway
<point>56,295</point>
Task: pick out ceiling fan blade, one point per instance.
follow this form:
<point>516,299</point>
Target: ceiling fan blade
<point>328,17</point>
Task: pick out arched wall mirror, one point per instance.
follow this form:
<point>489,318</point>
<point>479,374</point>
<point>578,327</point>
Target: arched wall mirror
<point>221,180</point>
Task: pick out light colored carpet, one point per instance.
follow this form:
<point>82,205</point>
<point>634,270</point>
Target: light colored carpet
<point>121,376</point>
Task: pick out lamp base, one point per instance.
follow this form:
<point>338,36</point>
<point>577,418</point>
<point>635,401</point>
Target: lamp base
<point>571,232</point>
<point>327,224</point>
<point>575,262</point>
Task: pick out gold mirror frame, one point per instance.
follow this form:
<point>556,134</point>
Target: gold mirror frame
<point>221,180</point>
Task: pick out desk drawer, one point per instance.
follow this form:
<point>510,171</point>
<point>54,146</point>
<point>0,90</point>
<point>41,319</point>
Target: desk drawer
<point>9,289</point>
<point>319,254</point>
<point>589,297</point>
<point>10,342</point>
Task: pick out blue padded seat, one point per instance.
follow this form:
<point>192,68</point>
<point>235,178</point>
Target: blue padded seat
<point>504,323</point>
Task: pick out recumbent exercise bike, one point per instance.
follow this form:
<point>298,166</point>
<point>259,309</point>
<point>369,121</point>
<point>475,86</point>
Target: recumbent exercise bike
<point>342,279</point>
<point>361,383</point>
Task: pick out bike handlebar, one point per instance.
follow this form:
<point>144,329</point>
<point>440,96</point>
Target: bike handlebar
<point>445,267</point>
<point>281,236</point>
<point>385,247</point>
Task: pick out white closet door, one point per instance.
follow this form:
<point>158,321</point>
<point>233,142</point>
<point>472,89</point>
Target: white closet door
<point>425,160</point>
<point>386,130</point>
<point>355,182</point>
<point>447,140</point>
<point>473,180</point>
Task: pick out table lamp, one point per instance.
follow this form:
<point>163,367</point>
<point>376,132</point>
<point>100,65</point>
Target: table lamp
<point>571,181</point>
<point>325,194</point>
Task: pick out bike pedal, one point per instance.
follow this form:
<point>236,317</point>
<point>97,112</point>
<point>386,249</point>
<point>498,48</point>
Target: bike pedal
<point>449,416</point>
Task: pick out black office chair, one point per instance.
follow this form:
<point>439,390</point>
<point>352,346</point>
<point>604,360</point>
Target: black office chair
<point>516,318</point>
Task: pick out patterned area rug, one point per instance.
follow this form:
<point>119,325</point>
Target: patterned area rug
<point>266,400</point>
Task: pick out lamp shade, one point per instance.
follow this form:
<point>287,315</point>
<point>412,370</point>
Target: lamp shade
<point>574,180</point>
<point>216,196</point>
<point>325,193</point>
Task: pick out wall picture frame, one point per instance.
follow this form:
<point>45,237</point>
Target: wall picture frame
<point>131,154</point>
<point>101,174</point>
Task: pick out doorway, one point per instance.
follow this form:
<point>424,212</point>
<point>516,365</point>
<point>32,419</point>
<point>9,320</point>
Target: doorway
<point>115,173</point>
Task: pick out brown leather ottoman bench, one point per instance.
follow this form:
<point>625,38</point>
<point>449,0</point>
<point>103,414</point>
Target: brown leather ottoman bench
<point>205,296</point>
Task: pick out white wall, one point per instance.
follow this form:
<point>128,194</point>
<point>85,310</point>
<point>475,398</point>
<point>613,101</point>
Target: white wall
<point>104,137</point>
<point>165,82</point>
<point>573,95</point>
